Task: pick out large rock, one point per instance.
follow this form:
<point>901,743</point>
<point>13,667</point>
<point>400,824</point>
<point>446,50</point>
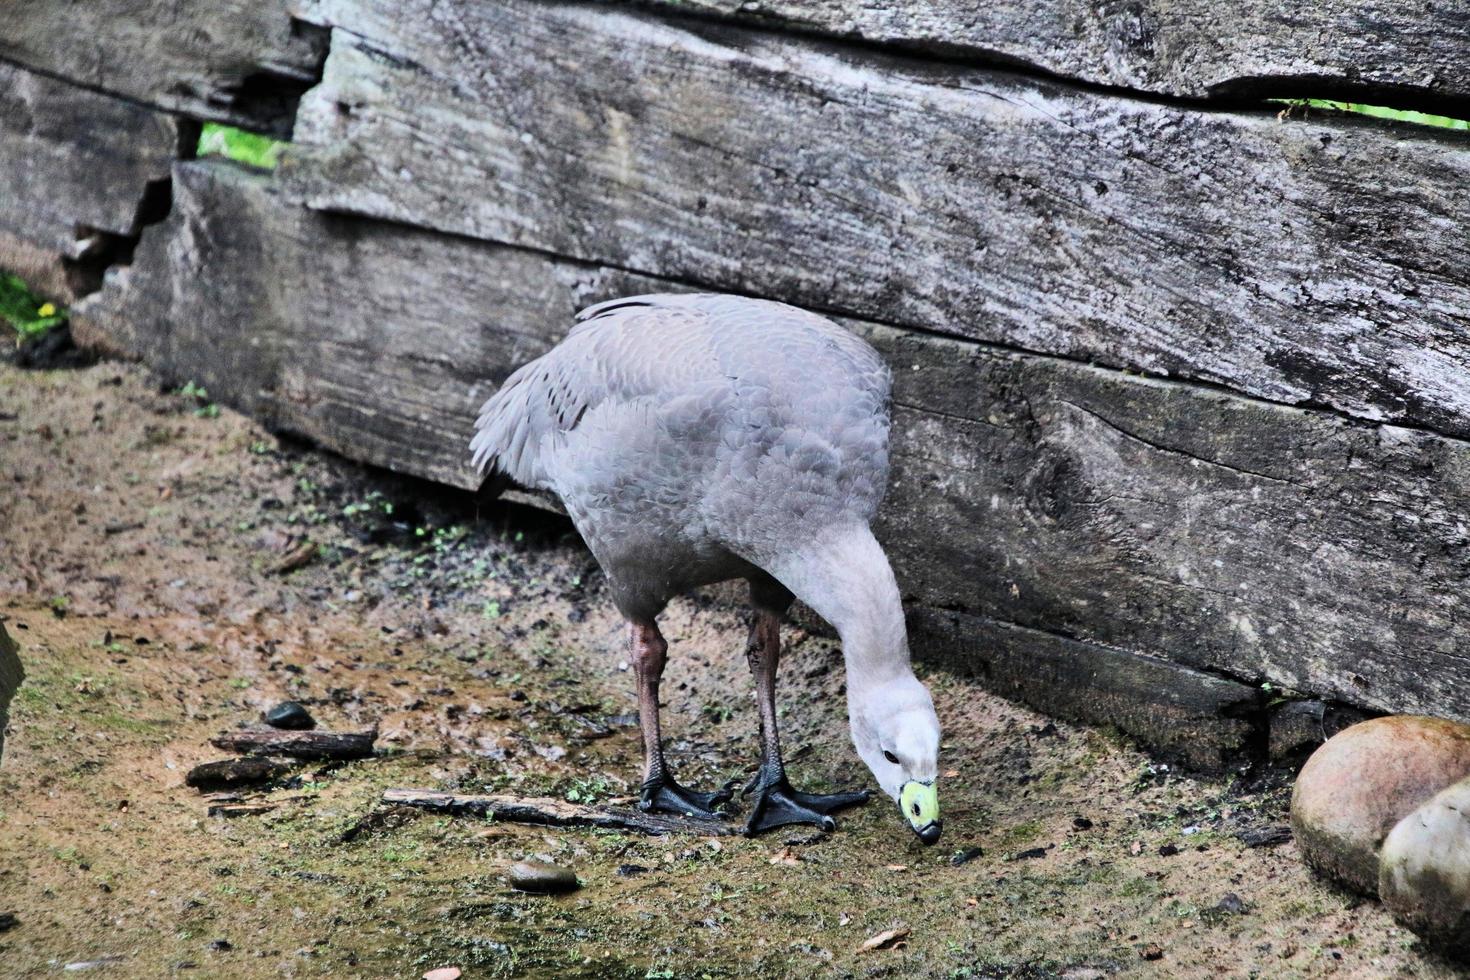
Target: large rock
<point>1363,781</point>
<point>1424,870</point>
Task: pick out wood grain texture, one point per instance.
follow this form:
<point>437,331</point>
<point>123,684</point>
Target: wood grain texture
<point>1299,262</point>
<point>76,167</point>
<point>1231,535</point>
<point>1210,723</point>
<point>1193,48</point>
<point>378,342</point>
<point>235,61</point>
<point>1106,515</point>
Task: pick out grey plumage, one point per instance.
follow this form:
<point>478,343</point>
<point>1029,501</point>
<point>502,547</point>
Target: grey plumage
<point>697,438</point>
<point>692,437</point>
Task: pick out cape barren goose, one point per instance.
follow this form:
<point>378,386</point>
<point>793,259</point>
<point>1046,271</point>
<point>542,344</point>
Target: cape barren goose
<point>699,438</point>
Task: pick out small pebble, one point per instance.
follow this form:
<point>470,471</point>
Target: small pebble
<point>1232,904</point>
<point>290,715</point>
<point>542,878</point>
<point>629,870</point>
<point>221,945</point>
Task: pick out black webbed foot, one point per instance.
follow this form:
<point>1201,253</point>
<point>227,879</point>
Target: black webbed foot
<point>777,805</point>
<point>663,795</point>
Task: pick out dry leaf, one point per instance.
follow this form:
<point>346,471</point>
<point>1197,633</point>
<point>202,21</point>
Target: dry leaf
<point>971,902</point>
<point>786,856</point>
<point>898,867</point>
<point>1136,849</point>
<point>843,919</point>
<point>884,940</point>
<point>951,773</point>
<point>443,973</point>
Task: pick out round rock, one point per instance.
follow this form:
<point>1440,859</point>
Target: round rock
<point>1363,781</point>
<point>1424,871</point>
<point>542,878</point>
<point>291,715</point>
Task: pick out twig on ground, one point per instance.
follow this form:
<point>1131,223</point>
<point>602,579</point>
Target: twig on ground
<point>549,812</point>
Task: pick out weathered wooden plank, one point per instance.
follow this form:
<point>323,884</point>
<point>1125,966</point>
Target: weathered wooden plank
<point>1193,48</point>
<point>234,61</point>
<point>1299,262</point>
<point>1232,535</point>
<point>1212,723</point>
<point>1134,516</point>
<point>376,341</point>
<point>77,170</point>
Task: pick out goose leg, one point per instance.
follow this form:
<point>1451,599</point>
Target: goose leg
<point>660,794</point>
<point>776,803</point>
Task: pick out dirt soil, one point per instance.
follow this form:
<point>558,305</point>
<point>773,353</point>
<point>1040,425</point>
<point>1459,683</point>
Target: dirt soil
<point>144,535</point>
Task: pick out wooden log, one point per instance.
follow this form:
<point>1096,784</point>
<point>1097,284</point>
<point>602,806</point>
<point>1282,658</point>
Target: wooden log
<point>376,341</point>
<point>234,61</point>
<point>80,172</point>
<point>549,812</point>
<point>1210,723</point>
<point>1397,49</point>
<point>309,744</point>
<point>231,773</point>
<point>1102,514</point>
<point>1304,262</point>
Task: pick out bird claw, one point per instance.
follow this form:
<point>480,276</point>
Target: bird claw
<point>778,805</point>
<point>663,795</point>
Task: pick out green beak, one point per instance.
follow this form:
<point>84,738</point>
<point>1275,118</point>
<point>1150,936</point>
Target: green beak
<point>920,805</point>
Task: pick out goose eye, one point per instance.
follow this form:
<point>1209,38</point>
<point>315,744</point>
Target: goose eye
<point>890,757</point>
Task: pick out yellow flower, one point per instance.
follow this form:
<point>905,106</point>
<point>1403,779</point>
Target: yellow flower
<point>47,309</point>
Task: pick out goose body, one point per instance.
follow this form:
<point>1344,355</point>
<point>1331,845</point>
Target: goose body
<point>699,438</point>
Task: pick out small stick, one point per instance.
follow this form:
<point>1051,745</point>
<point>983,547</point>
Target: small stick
<point>315,744</point>
<point>549,812</point>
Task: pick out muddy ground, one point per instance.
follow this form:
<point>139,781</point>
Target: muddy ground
<point>140,570</point>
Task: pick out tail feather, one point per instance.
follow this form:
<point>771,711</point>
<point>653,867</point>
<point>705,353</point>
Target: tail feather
<point>503,432</point>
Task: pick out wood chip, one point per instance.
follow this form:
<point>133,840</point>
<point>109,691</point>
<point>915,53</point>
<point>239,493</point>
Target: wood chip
<point>786,856</point>
<point>898,867</point>
<point>888,939</point>
<point>443,973</point>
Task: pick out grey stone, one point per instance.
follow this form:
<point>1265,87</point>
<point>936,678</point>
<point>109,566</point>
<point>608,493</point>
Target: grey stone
<point>290,715</point>
<point>1424,871</point>
<point>542,878</point>
<point>11,676</point>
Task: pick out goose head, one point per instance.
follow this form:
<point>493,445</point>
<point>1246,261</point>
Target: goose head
<point>896,732</point>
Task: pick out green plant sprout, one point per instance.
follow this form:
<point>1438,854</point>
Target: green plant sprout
<point>1377,112</point>
<point>252,149</point>
<point>28,315</point>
